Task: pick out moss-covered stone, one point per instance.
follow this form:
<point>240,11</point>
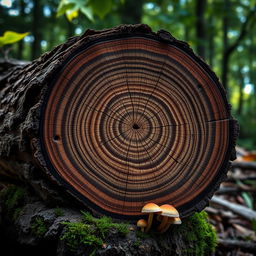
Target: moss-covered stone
<point>195,236</point>
<point>91,231</point>
<point>58,212</point>
<point>104,224</point>
<point>38,227</point>
<point>80,234</point>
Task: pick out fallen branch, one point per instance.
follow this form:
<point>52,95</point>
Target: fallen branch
<point>236,208</point>
<point>248,246</point>
<point>232,190</point>
<point>244,165</point>
<point>242,177</point>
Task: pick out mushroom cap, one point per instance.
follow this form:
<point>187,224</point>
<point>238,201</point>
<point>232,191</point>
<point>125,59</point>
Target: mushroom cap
<point>142,223</point>
<point>151,208</point>
<point>169,211</point>
<point>172,220</point>
<point>176,220</point>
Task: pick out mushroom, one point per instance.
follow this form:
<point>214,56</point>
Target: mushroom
<point>142,224</point>
<point>175,221</point>
<point>150,208</point>
<point>167,212</point>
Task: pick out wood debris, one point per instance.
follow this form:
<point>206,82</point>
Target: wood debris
<point>232,210</point>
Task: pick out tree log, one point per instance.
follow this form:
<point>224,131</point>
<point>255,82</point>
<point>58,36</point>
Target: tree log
<point>117,118</point>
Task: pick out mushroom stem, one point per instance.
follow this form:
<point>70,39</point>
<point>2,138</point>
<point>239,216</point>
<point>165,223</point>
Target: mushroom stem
<point>164,229</point>
<point>163,223</point>
<point>158,217</point>
<point>150,219</point>
<point>142,229</point>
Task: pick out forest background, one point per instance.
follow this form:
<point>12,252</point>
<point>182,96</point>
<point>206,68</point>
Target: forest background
<point>221,31</point>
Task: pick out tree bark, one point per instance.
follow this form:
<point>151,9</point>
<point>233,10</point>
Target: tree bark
<point>22,85</point>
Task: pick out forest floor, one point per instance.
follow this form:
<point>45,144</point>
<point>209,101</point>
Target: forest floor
<point>232,209</point>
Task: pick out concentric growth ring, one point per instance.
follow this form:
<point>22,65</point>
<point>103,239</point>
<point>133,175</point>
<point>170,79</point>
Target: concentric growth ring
<point>130,120</point>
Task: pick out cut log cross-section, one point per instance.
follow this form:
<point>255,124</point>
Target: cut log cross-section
<point>120,118</point>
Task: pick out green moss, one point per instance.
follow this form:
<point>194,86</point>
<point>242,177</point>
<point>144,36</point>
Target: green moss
<point>78,233</point>
<point>137,243</point>
<point>58,212</point>
<point>104,224</point>
<point>122,228</point>
<point>13,199</point>
<point>143,235</point>
<point>38,227</point>
<point>91,231</point>
<point>198,235</point>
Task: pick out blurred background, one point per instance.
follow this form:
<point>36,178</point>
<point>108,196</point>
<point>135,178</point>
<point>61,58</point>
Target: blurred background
<point>221,31</point>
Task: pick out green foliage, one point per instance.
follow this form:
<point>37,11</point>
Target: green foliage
<point>78,233</point>
<point>38,227</point>
<point>11,37</point>
<point>58,212</point>
<point>101,7</point>
<point>72,7</point>
<point>198,234</point>
<point>89,8</point>
<point>13,199</point>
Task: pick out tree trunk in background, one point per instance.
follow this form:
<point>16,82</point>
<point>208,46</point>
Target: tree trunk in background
<point>186,36</point>
<point>70,28</point>
<point>36,29</point>
<point>131,12</point>
<point>225,44</point>
<point>241,91</point>
<point>246,27</point>
<point>252,74</point>
<point>211,42</point>
<point>200,27</point>
<point>21,43</point>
